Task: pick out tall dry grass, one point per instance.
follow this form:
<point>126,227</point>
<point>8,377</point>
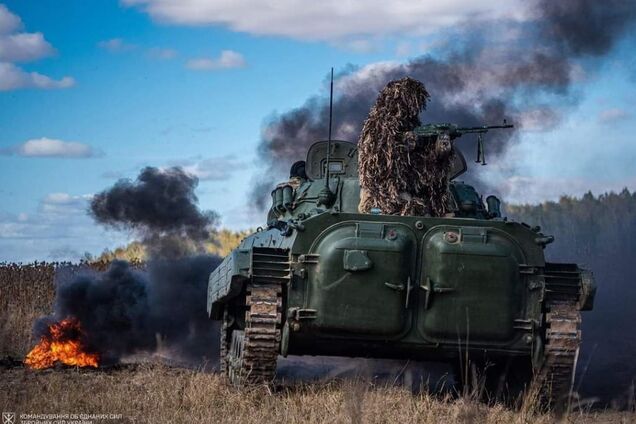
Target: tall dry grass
<point>26,293</point>
<point>158,394</point>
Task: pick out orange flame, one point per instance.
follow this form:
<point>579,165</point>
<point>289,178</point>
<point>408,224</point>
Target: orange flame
<point>62,344</point>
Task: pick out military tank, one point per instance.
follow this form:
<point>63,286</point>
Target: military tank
<point>323,279</point>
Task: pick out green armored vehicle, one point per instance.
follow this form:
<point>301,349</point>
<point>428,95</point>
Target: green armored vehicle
<point>324,279</point>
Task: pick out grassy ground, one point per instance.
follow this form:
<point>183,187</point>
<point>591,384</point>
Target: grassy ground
<point>153,393</point>
<point>156,393</point>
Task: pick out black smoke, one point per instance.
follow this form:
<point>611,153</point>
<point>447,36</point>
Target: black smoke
<point>159,307</point>
<point>127,310</point>
<point>486,72</point>
<point>585,27</point>
<point>160,206</point>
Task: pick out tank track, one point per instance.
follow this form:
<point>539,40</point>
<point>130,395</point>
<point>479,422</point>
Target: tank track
<point>262,333</point>
<point>563,333</point>
<point>260,340</point>
<point>223,351</point>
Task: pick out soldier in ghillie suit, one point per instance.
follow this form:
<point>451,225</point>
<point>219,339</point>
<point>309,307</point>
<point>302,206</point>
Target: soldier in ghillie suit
<point>401,173</point>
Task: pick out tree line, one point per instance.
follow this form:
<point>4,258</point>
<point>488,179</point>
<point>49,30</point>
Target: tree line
<point>598,232</point>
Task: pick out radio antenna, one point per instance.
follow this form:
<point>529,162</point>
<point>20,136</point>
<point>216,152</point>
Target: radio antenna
<point>326,196</point>
<point>329,139</point>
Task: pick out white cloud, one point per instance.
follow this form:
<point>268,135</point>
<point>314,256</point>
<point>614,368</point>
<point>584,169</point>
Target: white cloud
<point>327,19</point>
<point>13,78</point>
<point>8,21</point>
<point>52,148</point>
<point>119,45</point>
<point>612,115</point>
<point>116,45</point>
<point>162,53</point>
<point>227,60</point>
<point>59,229</point>
<point>357,45</point>
<point>213,169</point>
<point>64,204</point>
<point>24,47</point>
<point>210,169</point>
<point>403,49</point>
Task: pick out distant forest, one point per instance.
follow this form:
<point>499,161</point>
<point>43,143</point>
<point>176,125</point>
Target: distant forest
<point>592,228</point>
<point>599,233</point>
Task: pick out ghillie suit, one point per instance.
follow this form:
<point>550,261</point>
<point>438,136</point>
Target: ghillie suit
<point>402,173</point>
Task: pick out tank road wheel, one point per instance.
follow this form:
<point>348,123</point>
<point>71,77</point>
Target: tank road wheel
<point>560,352</point>
<point>253,351</point>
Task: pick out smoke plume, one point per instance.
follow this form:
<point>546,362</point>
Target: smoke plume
<point>522,71</point>
<point>161,307</point>
<point>126,310</point>
<point>160,206</point>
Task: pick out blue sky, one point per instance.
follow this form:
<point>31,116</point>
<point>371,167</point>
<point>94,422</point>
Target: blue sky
<point>125,84</point>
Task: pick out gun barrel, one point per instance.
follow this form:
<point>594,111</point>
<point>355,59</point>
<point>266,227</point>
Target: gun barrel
<point>454,131</point>
<point>483,128</point>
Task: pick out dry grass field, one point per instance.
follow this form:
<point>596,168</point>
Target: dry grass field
<point>26,293</point>
<point>153,393</point>
<point>158,393</point>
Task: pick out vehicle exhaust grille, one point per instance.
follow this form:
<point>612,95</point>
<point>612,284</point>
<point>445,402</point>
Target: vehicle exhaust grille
<point>270,265</point>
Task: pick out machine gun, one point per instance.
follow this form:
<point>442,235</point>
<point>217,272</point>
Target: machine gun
<point>453,131</point>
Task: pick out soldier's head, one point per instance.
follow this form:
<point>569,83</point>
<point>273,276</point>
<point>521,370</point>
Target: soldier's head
<point>298,170</point>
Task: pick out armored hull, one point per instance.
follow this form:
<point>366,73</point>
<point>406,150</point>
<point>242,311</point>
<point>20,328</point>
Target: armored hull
<point>323,279</point>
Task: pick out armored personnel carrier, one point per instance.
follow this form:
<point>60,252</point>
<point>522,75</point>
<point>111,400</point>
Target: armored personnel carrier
<point>324,279</point>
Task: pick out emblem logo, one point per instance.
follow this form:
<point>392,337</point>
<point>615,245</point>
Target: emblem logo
<point>8,418</point>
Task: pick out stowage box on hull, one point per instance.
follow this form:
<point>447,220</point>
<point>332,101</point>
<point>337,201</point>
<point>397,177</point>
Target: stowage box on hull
<point>426,282</point>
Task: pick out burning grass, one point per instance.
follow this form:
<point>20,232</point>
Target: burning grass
<point>64,342</point>
<point>27,292</point>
